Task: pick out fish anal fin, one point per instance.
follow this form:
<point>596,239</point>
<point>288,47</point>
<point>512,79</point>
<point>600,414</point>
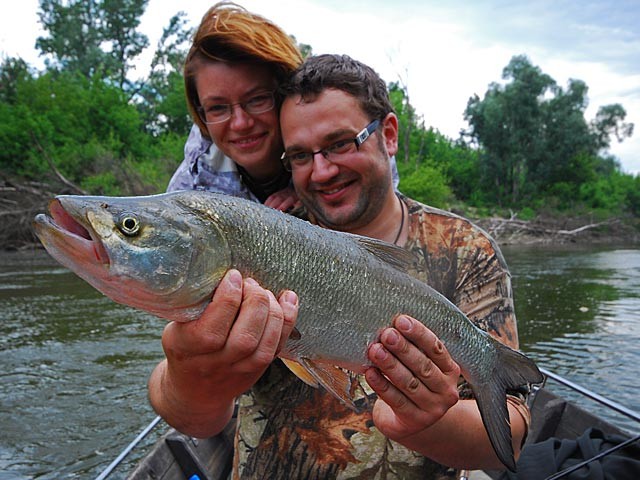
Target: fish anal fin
<point>301,372</point>
<point>335,380</point>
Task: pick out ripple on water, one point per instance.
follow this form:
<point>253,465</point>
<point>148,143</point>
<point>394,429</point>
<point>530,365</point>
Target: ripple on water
<point>75,364</point>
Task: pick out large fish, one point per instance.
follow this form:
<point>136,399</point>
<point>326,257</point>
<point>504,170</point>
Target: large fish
<point>166,254</point>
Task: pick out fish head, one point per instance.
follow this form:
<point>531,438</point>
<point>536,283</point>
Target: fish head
<point>151,253</point>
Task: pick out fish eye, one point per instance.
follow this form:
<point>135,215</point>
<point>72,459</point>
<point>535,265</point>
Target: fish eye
<point>129,225</point>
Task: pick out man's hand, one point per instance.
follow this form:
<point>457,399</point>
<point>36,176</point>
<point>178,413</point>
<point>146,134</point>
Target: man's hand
<point>415,379</point>
<point>212,360</point>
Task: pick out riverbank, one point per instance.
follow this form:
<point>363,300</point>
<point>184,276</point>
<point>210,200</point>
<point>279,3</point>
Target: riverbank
<point>20,202</point>
<point>562,229</point>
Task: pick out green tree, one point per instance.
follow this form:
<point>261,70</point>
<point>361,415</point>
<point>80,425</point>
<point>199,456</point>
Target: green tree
<point>120,21</point>
<point>410,127</point>
<point>566,149</point>
<point>632,200</point>
<point>13,72</point>
<point>507,124</point>
<point>609,122</point>
<point>162,97</point>
<point>305,49</point>
<point>85,130</point>
<point>426,183</point>
<point>94,37</point>
<point>433,168</point>
<point>534,138</point>
<point>73,41</point>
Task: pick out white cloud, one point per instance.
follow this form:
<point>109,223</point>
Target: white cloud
<point>19,30</point>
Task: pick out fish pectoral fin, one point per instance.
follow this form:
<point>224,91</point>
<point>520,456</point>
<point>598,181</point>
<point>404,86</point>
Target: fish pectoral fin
<point>393,255</point>
<point>334,379</point>
<point>301,372</point>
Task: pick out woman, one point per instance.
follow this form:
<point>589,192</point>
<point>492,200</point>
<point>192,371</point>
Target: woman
<point>232,71</point>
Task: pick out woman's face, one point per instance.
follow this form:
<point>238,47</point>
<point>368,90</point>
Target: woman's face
<point>253,141</point>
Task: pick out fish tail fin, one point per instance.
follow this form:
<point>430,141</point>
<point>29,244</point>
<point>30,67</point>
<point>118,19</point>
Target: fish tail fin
<point>512,370</point>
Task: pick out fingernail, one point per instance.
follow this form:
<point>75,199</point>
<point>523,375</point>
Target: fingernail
<point>391,337</point>
<point>380,353</point>
<point>291,298</point>
<point>403,323</point>
<point>251,281</point>
<point>234,278</point>
<point>373,376</point>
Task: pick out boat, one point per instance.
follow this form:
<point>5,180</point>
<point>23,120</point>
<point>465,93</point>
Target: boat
<point>179,457</point>
<point>176,456</point>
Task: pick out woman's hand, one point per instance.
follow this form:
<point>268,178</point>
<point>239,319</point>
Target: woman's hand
<point>283,200</point>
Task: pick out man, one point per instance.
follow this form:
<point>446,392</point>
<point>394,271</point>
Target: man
<point>339,131</point>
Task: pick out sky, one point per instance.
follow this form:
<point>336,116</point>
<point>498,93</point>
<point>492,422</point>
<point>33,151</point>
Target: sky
<point>444,52</point>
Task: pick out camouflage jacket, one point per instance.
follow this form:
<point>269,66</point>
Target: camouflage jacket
<point>288,430</point>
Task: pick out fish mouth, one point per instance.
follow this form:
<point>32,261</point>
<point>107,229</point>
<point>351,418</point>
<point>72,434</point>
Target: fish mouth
<point>71,234</point>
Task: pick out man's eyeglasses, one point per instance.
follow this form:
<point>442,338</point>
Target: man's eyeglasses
<point>341,147</point>
<point>221,112</point>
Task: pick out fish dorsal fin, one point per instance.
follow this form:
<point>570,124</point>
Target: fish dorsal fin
<point>389,253</point>
<point>335,380</point>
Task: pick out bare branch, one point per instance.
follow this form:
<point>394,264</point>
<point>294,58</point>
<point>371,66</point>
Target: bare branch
<point>57,173</point>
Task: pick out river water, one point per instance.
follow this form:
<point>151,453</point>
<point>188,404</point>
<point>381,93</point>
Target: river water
<point>74,364</point>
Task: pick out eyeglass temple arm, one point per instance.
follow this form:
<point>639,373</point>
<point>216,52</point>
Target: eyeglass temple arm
<point>366,131</point>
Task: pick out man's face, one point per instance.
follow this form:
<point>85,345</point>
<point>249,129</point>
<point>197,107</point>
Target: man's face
<point>251,140</point>
<point>346,192</point>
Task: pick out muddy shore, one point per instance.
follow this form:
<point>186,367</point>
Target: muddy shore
<point>21,202</point>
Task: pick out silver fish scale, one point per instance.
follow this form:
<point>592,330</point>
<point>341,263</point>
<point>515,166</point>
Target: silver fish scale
<point>347,294</point>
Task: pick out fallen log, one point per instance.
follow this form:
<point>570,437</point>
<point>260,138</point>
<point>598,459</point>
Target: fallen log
<point>512,230</point>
